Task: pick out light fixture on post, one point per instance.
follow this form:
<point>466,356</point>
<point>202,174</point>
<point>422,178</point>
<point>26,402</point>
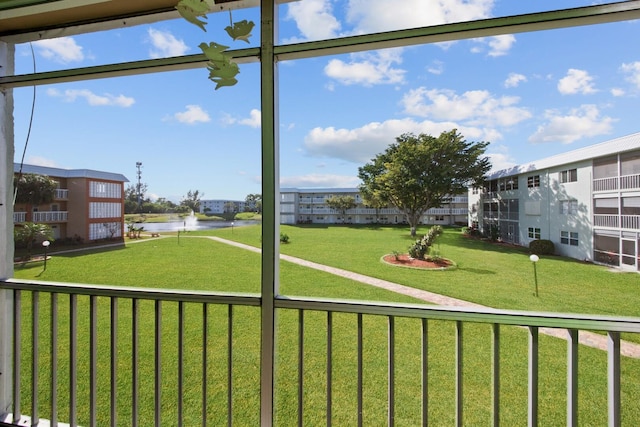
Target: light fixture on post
<point>534,259</point>
<point>45,245</point>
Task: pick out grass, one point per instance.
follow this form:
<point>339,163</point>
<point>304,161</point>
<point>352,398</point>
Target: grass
<point>487,274</point>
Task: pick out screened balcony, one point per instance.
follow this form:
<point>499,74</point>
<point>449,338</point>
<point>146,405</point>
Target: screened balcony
<point>394,356</point>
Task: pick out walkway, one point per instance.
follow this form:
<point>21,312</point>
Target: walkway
<point>587,338</point>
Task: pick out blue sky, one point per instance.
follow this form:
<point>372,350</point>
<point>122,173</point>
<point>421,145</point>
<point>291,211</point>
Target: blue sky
<point>530,95</point>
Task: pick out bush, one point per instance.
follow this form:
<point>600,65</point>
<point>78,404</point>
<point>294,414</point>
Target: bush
<point>542,247</point>
<point>284,238</point>
<point>420,248</point>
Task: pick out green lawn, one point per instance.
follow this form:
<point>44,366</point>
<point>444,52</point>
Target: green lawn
<point>487,274</point>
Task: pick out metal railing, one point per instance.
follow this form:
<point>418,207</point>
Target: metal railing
<point>50,216</point>
<point>396,349</point>
<point>612,221</point>
<point>624,182</point>
<point>62,194</point>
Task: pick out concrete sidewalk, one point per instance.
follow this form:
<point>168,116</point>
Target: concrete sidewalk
<point>587,338</point>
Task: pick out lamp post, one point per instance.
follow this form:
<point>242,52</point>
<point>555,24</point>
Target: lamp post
<point>45,245</point>
<point>534,259</point>
<point>231,227</point>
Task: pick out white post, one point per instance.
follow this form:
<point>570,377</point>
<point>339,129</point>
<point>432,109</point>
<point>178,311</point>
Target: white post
<point>7,67</point>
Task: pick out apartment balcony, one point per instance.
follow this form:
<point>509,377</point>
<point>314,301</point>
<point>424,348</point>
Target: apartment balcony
<point>398,351</point>
<point>625,182</point>
<point>628,222</point>
<point>41,217</point>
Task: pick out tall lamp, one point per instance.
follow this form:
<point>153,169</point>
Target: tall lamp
<point>45,245</point>
<point>534,259</point>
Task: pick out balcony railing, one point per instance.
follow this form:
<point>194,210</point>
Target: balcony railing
<point>630,222</point>
<point>50,216</point>
<point>625,182</point>
<point>397,351</point>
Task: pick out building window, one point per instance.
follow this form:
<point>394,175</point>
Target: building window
<point>533,181</point>
<point>439,217</point>
<point>534,233</point>
<point>568,207</point>
<point>570,175</point>
<point>512,183</point>
<point>569,238</point>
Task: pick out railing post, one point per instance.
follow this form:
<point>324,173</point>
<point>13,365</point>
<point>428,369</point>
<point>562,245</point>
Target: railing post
<point>271,205</point>
<point>7,67</point>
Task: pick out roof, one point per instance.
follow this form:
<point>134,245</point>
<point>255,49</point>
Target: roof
<point>603,149</point>
<point>319,190</point>
<point>70,173</point>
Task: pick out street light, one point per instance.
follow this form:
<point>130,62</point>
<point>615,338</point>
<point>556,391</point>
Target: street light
<point>534,259</point>
<point>45,245</point>
<point>231,227</point>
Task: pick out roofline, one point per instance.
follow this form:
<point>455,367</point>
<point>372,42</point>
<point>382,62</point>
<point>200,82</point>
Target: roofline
<point>69,173</point>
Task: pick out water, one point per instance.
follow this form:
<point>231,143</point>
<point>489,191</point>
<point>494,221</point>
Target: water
<point>191,224</point>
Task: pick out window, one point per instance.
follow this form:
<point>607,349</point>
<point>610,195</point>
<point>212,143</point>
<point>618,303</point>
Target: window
<point>534,233</point>
<point>512,183</point>
<point>569,238</point>
<point>439,217</point>
<point>533,181</point>
<point>570,175</point>
<point>568,207</point>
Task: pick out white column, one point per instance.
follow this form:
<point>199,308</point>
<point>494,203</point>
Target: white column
<point>6,226</point>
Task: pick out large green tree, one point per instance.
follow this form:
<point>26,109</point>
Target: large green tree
<point>420,172</point>
<point>341,203</point>
<point>29,232</point>
<point>33,190</point>
<point>192,200</point>
<point>253,202</point>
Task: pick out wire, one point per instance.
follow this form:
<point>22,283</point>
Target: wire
<point>26,143</point>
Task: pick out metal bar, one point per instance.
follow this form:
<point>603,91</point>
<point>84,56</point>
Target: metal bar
<point>157,409</point>
<point>152,294</point>
<point>270,260</point>
<point>459,374</point>
<point>205,349</point>
<point>360,382</point>
<point>114,364</point>
<point>613,371</point>
<point>572,378</point>
<point>425,371</point>
<point>391,391</point>
<point>134,362</point>
<point>181,362</point>
<point>73,360</point>
<point>17,353</point>
<point>533,377</point>
<point>300,366</point>
<point>495,374</point>
<point>54,359</point>
<point>35,352</point>
<point>93,360</point>
<point>230,365</point>
<point>329,366</point>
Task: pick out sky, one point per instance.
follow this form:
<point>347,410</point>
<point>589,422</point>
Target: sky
<point>531,95</point>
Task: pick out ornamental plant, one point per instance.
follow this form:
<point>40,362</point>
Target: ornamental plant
<point>421,246</point>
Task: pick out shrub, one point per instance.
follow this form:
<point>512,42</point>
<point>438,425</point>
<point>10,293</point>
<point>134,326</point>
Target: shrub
<point>284,238</point>
<point>542,247</point>
<point>420,248</point>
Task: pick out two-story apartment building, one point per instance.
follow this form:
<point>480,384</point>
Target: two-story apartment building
<point>88,204</point>
<point>221,206</point>
<point>586,201</point>
<point>309,205</point>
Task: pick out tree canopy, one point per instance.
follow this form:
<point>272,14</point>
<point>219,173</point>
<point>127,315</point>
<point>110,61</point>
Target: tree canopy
<point>34,189</point>
<point>192,200</point>
<point>420,172</point>
<point>341,204</point>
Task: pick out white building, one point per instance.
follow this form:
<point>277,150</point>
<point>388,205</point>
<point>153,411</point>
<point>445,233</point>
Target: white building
<point>213,207</point>
<point>586,201</point>
<point>308,205</point>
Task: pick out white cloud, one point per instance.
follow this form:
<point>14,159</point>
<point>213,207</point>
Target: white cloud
<point>498,45</point>
<point>320,180</point>
<point>254,120</point>
<point>368,69</point>
<point>70,95</point>
<point>42,161</point>
<point>370,16</point>
<point>581,122</point>
<point>361,144</point>
<point>194,114</point>
<point>478,107</point>
<point>576,81</point>
<point>616,91</point>
<point>62,49</point>
<point>436,67</point>
<point>164,44</point>
<point>632,70</point>
<point>314,19</point>
<point>514,80</point>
